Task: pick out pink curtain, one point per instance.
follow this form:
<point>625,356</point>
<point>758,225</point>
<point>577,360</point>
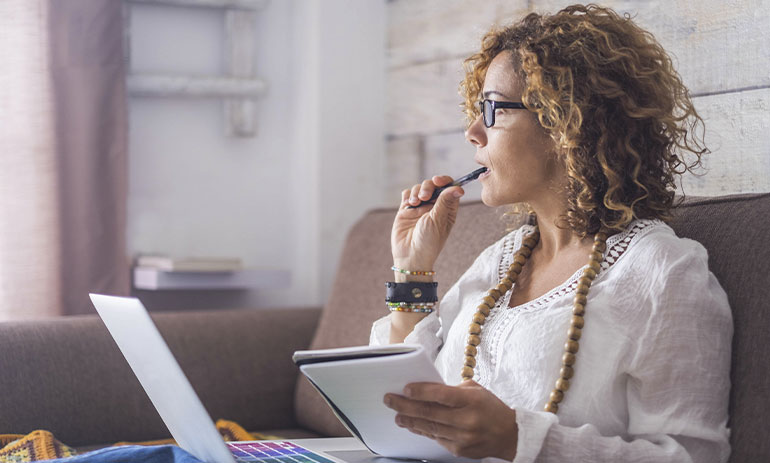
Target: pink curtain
<point>90,116</point>
<point>63,174</point>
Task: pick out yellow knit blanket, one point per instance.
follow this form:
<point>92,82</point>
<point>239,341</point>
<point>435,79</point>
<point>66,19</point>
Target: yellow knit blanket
<point>41,445</point>
<point>37,445</point>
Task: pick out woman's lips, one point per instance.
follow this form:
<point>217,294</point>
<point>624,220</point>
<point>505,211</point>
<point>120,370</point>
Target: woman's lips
<point>485,174</point>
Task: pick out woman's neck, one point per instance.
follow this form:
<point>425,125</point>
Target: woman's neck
<point>555,240</point>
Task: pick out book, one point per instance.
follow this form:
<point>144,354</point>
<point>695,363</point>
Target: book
<point>354,381</point>
<point>189,264</point>
<point>153,279</point>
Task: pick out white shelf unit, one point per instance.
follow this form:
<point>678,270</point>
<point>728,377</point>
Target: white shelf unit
<point>239,88</point>
<point>147,278</point>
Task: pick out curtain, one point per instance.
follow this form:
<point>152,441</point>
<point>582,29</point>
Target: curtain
<point>29,215</point>
<point>63,174</point>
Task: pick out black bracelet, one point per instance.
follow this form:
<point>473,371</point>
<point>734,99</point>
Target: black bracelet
<point>411,291</point>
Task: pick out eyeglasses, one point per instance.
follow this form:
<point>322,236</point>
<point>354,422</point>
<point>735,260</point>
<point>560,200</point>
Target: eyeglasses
<point>488,108</point>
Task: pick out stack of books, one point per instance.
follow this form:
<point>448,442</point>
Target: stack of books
<point>155,272</point>
<point>190,264</point>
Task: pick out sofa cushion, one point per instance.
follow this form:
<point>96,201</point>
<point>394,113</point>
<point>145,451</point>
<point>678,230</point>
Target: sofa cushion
<point>734,230</point>
<point>358,295</point>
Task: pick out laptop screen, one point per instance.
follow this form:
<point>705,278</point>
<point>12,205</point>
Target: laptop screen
<point>159,373</point>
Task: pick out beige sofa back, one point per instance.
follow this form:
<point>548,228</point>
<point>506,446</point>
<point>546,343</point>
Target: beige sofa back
<point>67,375</point>
<point>734,230</point>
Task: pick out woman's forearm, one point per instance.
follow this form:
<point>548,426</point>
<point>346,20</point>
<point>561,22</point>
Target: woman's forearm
<point>401,324</point>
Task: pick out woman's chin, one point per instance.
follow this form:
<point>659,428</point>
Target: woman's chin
<point>493,200</point>
<point>489,199</point>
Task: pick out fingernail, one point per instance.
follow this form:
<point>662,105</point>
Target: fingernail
<point>408,391</point>
<point>399,420</point>
<point>457,194</point>
<point>388,400</point>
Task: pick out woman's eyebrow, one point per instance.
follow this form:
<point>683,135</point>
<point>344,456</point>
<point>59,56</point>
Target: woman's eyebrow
<point>489,93</point>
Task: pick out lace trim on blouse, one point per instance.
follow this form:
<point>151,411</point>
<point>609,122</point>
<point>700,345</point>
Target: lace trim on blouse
<point>501,316</point>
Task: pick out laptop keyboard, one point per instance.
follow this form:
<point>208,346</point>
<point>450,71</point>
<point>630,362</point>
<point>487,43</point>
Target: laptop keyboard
<point>274,452</point>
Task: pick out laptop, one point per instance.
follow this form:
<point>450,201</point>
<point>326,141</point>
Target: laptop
<point>180,408</point>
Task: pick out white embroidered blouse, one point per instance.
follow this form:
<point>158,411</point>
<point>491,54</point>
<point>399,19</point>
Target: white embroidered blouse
<point>651,379</point>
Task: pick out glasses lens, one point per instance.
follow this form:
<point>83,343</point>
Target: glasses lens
<point>489,113</point>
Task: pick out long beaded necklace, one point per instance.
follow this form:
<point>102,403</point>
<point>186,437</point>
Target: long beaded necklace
<point>576,323</point>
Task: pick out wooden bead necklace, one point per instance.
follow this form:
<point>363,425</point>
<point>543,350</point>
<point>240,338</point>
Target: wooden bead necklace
<point>576,323</point>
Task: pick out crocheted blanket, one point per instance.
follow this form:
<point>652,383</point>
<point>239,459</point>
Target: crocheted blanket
<point>42,445</point>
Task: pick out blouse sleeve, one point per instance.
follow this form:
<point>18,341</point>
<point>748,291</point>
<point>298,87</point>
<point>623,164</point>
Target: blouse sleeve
<point>430,332</point>
<point>678,382</point>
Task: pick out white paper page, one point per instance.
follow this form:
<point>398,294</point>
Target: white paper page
<point>162,378</point>
<point>357,387</point>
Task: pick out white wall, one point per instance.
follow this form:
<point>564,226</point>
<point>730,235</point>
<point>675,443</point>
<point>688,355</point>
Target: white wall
<point>340,138</point>
<point>286,198</point>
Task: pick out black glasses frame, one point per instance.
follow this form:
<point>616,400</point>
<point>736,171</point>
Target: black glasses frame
<point>488,108</point>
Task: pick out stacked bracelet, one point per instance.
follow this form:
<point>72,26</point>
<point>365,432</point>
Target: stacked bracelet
<point>412,296</point>
<point>419,305</point>
<point>429,273</point>
<point>411,308</point>
<point>405,309</point>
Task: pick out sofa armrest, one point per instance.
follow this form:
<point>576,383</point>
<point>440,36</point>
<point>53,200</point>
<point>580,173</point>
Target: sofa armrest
<point>67,375</point>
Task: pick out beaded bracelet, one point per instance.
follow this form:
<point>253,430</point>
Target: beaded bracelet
<point>411,304</point>
<point>429,273</point>
<point>412,309</point>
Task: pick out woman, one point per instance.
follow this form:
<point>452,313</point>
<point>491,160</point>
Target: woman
<point>594,333</point>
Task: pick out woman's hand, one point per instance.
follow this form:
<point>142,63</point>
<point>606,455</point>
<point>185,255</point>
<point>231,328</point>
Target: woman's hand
<point>468,420</point>
<point>419,234</point>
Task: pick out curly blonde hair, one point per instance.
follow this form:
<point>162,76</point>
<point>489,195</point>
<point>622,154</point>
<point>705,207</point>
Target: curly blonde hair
<point>611,100</point>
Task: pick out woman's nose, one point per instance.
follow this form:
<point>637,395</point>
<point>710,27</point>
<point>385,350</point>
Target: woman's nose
<point>475,133</point>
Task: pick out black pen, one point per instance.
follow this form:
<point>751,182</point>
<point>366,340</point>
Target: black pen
<point>459,182</point>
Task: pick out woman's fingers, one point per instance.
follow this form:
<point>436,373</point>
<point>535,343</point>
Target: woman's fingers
<point>449,396</point>
<point>413,197</point>
<point>426,190</point>
<point>430,411</point>
<point>423,191</point>
<point>429,186</point>
<point>405,194</point>
<point>441,180</point>
<point>468,420</point>
<point>431,429</point>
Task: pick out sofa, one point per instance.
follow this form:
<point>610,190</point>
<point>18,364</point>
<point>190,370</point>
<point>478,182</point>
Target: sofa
<point>67,376</point>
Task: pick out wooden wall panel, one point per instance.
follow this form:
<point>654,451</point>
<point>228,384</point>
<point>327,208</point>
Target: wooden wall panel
<point>412,159</point>
<point>430,30</point>
<point>404,167</point>
<point>448,154</point>
<point>451,154</point>
<point>424,98</point>
<point>738,135</point>
<point>717,46</point>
